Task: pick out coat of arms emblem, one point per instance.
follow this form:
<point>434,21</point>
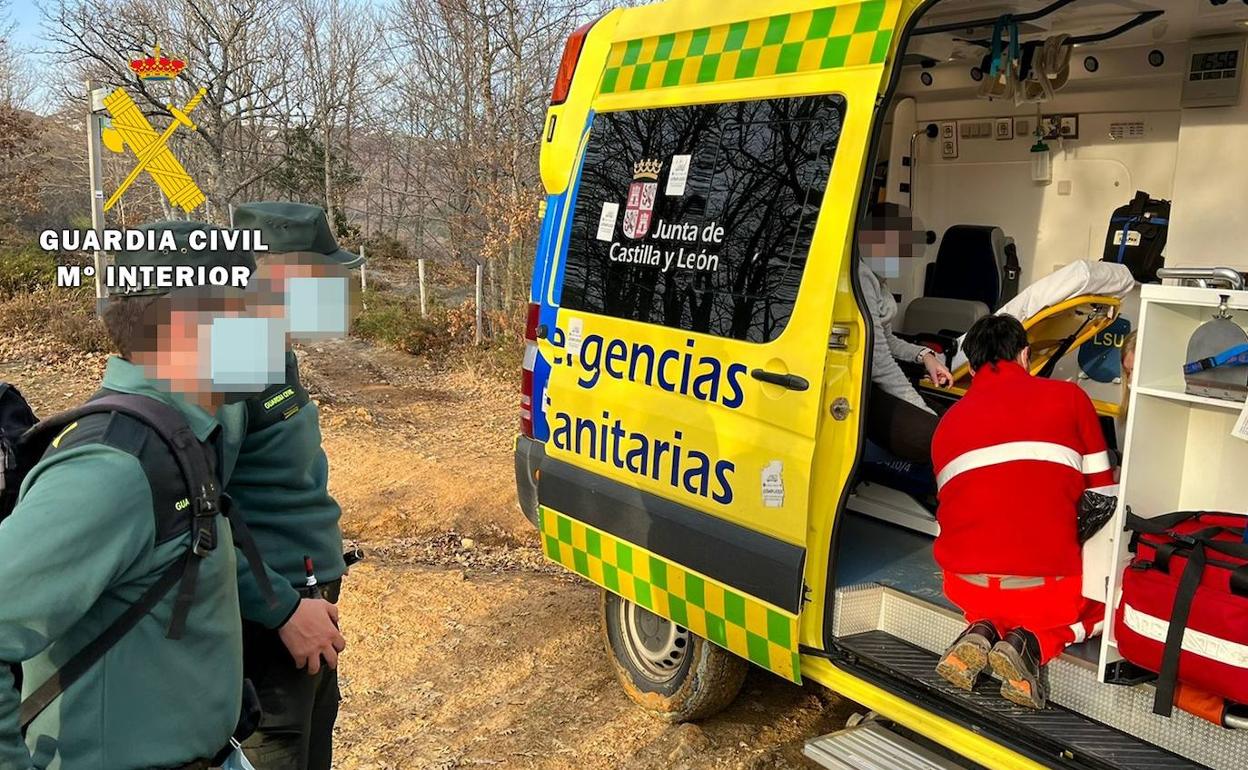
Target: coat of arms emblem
<point>639,209</point>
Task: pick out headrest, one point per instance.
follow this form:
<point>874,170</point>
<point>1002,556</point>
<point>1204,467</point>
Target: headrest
<point>942,315</point>
<point>969,263</point>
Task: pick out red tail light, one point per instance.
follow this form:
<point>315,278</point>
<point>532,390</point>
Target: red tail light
<point>567,65</point>
<point>526,377</point>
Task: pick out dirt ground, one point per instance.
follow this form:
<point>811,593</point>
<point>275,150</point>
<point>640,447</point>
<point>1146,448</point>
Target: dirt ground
<point>465,648</point>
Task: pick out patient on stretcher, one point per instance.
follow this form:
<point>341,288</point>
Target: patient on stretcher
<point>906,474</point>
<point>1105,279</point>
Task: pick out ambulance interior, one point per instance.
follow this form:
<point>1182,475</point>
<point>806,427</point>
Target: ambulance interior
<point>1138,110</point>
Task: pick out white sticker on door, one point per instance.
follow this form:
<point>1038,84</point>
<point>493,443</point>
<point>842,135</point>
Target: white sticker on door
<point>576,330</point>
<point>1240,431</point>
<point>606,221</point>
<point>773,484</point>
<point>678,175</point>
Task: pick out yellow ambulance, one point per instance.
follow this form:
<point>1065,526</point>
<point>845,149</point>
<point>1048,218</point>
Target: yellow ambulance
<point>697,365</point>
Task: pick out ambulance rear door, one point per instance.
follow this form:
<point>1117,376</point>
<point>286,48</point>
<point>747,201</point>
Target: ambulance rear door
<point>705,260</point>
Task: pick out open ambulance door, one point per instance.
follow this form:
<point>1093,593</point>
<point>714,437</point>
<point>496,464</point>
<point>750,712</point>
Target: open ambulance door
<point>693,351</point>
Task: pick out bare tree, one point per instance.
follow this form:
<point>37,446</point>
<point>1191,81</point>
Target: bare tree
<point>231,51</point>
<point>419,123</point>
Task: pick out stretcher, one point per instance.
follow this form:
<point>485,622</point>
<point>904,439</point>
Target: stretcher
<point>1053,332</point>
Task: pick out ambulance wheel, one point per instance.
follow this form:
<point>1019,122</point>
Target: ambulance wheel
<point>664,668</point>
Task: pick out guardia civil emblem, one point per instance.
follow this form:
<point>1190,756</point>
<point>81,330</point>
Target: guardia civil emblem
<point>639,209</point>
<point>130,128</point>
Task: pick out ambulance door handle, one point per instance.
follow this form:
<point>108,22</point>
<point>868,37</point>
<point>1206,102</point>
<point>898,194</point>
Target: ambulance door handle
<point>790,381</point>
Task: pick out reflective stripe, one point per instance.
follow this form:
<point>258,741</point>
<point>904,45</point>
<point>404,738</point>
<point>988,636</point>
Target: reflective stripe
<point>1042,451</point>
<point>1196,642</point>
<point>1081,634</point>
<point>1007,582</point>
<point>1077,630</point>
<point>1095,463</point>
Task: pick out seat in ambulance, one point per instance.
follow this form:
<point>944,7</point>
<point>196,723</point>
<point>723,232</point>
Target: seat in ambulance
<point>975,272</point>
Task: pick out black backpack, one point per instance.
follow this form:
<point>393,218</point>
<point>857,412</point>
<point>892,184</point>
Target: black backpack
<point>1137,236</point>
<point>24,440</point>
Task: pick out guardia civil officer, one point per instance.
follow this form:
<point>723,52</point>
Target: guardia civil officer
<point>104,520</point>
<point>281,486</point>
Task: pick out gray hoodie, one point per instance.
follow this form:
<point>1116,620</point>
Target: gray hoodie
<point>888,347</point>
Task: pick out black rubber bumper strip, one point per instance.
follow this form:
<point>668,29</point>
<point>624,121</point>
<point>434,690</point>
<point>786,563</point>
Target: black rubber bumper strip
<point>748,561</point>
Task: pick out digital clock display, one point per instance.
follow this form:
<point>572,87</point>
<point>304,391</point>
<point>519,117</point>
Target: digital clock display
<point>1215,60</point>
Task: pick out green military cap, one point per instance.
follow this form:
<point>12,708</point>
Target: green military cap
<point>180,243</point>
<point>290,227</point>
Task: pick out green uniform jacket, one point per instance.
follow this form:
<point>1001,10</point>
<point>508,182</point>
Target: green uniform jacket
<point>281,486</point>
<point>78,549</point>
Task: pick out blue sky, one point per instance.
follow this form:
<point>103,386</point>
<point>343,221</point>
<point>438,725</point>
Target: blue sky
<point>27,39</point>
<point>28,33</point>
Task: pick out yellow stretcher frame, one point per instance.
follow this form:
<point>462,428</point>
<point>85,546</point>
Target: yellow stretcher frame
<point>1046,331</point>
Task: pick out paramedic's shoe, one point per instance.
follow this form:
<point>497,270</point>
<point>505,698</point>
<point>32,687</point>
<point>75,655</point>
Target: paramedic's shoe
<point>1016,659</point>
<point>962,663</point>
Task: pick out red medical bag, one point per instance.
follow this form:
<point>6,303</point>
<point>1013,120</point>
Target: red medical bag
<point>1184,607</point>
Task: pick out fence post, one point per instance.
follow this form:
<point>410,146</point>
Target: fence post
<point>363,279</point>
<point>95,173</point>
<point>420,272</point>
<point>478,335</point>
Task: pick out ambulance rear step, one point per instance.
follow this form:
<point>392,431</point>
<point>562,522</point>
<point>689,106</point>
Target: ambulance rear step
<point>872,746</point>
<point>1055,736</point>
<point>894,640</point>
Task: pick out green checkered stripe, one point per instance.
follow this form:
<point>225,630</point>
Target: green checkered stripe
<point>846,35</point>
<point>753,629</point>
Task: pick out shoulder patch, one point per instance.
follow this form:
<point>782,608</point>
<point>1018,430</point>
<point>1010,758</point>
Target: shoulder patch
<point>81,432</point>
<point>277,404</point>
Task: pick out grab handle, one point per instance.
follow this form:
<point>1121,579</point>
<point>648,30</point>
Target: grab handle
<point>1204,276</point>
<point>790,381</point>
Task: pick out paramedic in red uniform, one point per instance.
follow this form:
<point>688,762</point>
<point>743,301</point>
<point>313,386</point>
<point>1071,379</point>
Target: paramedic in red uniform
<point>1012,459</point>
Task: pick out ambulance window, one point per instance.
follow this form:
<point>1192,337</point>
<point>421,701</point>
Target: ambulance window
<point>701,217</point>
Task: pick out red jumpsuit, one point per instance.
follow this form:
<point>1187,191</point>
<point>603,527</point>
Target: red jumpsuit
<point>1012,459</point>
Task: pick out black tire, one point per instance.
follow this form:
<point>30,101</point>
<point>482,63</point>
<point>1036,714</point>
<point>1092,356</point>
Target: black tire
<point>664,668</point>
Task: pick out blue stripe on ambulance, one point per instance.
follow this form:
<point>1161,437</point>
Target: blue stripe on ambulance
<point>547,285</point>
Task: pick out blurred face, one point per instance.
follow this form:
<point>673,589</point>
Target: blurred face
<point>884,242</point>
<point>212,349</point>
<point>313,295</point>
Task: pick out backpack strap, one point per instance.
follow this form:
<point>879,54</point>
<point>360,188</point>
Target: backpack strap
<point>1158,525</point>
<point>84,659</point>
<point>202,490</point>
<point>205,501</point>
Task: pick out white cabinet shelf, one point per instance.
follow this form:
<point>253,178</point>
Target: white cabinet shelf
<point>1178,451</point>
<point>1172,395</point>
